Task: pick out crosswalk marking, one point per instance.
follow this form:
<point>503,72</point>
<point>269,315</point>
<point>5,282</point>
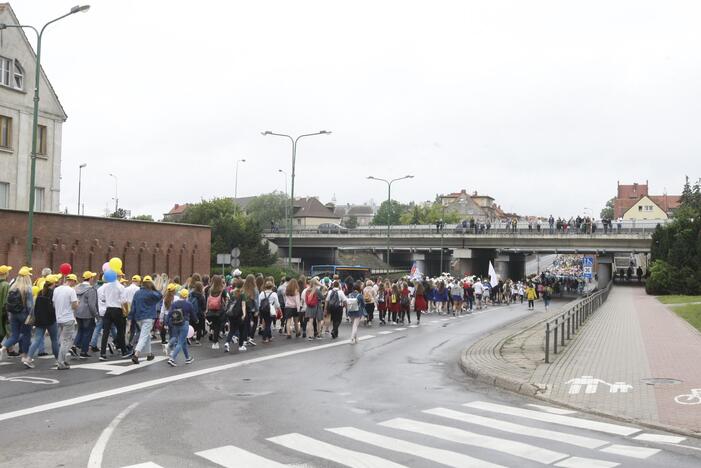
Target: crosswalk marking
<point>385,333</point>
<point>445,457</point>
<point>667,439</point>
<point>333,453</point>
<point>518,449</point>
<point>554,418</point>
<point>631,451</point>
<point>144,465</point>
<point>513,428</point>
<point>233,457</point>
<point>400,329</point>
<point>579,462</point>
<point>552,410</point>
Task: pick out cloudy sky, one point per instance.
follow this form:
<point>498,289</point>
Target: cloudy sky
<point>544,105</point>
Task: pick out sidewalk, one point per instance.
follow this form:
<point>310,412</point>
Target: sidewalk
<point>604,370</point>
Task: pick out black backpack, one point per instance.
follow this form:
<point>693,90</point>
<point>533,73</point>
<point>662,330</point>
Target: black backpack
<point>334,301</point>
<point>14,303</point>
<point>265,303</point>
<point>177,317</point>
<point>235,309</point>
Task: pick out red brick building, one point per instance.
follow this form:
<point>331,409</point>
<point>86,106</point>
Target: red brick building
<point>87,242</point>
<point>628,196</point>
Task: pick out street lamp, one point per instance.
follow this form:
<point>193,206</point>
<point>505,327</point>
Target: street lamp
<point>284,173</point>
<point>35,120</point>
<point>292,183</point>
<point>80,180</point>
<point>236,182</point>
<point>116,194</point>
<point>389,204</point>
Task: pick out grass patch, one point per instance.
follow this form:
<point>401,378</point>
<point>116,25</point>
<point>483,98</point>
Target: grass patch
<point>691,313</point>
<point>672,299</point>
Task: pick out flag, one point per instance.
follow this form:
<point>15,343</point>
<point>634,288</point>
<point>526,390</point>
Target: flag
<point>493,278</point>
<point>415,274</point>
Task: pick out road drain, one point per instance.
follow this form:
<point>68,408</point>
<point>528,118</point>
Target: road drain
<point>660,381</point>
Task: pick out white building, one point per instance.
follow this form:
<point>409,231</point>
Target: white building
<point>17,71</point>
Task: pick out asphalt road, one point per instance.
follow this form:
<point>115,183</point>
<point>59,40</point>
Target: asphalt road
<point>395,399</point>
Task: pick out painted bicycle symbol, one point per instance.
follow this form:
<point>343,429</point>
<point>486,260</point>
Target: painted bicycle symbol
<point>693,398</point>
<point>32,380</point>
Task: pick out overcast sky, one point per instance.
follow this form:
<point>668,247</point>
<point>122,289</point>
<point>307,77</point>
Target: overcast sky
<point>543,105</point>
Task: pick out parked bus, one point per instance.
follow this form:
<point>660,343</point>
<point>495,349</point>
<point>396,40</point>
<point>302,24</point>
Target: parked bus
<point>343,271</point>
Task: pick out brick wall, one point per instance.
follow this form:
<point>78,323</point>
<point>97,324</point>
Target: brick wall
<point>87,242</point>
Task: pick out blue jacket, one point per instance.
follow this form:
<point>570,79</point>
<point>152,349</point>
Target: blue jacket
<point>145,305</point>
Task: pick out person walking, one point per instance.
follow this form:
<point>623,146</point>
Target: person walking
<point>355,309</point>
<point>144,311</point>
<point>269,306</point>
<point>531,296</point>
<point>369,301</point>
<point>251,292</point>
<point>179,316</point>
<point>65,302</point>
<point>19,304</point>
<point>86,313</point>
<point>314,312</point>
<point>216,305</point>
<point>44,321</point>
<point>420,302</point>
<point>335,303</point>
<point>115,306</point>
<point>293,305</point>
<point>237,314</point>
<point>4,289</point>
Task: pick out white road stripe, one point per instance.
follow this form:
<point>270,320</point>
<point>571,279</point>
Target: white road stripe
<point>665,439</point>
<point>444,457</point>
<point>513,428</point>
<point>554,418</point>
<point>552,410</point>
<point>95,460</point>
<point>413,326</point>
<point>385,333</point>
<point>578,462</point>
<point>342,456</point>
<point>631,451</point>
<point>510,447</point>
<point>165,380</point>
<point>233,457</point>
<point>400,329</point>
<point>144,465</point>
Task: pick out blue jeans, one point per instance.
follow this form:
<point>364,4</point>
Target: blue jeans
<point>97,333</point>
<point>19,333</point>
<point>38,341</point>
<point>178,336</point>
<point>85,331</point>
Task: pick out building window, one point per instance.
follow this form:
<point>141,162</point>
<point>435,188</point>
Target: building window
<point>5,70</point>
<point>11,73</point>
<point>5,131</point>
<point>38,198</point>
<point>4,195</point>
<point>41,139</point>
<point>19,76</point>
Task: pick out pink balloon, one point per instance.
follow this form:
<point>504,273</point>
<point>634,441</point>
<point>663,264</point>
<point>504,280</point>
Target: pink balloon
<point>105,266</point>
<point>190,331</point>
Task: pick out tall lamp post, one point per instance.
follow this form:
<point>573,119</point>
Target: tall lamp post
<point>116,194</point>
<point>236,181</point>
<point>389,204</point>
<point>284,173</point>
<point>35,120</point>
<point>292,181</point>
<point>80,180</point>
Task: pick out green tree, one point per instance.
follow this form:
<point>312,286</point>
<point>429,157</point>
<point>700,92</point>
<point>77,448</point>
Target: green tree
<point>143,217</point>
<point>393,212</point>
<point>607,210</point>
<point>120,214</point>
<point>231,227</point>
<point>268,207</point>
<point>352,222</point>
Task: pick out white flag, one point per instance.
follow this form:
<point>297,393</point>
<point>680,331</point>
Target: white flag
<point>493,278</point>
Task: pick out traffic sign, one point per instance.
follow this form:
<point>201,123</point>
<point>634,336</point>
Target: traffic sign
<point>235,262</point>
<point>588,267</point>
<point>588,262</point>
<point>223,259</point>
<point>235,252</point>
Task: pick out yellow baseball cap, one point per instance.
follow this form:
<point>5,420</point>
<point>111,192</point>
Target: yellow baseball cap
<point>147,278</point>
<point>71,277</point>
<point>172,287</point>
<point>4,269</point>
<point>25,271</point>
<point>88,275</point>
<point>183,293</point>
<point>136,278</point>
<point>51,279</point>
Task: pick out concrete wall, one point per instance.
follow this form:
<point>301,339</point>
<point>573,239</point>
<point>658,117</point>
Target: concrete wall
<point>87,242</point>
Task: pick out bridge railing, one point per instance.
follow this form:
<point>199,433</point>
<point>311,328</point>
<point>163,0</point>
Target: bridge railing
<point>564,326</point>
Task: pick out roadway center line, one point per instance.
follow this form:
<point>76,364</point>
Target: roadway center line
<point>95,460</point>
<point>165,380</point>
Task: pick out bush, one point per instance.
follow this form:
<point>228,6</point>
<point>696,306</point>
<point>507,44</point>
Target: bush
<point>660,280</point>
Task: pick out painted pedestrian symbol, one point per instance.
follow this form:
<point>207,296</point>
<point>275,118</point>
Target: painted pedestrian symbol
<point>591,385</point>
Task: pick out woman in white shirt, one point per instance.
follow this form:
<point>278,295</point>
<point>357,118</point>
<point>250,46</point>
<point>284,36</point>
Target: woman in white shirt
<point>270,295</point>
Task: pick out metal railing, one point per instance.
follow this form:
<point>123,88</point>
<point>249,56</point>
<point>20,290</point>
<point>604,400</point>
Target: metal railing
<point>565,325</point>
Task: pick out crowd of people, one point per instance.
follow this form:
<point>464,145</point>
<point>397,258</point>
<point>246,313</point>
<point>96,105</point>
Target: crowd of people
<point>119,317</point>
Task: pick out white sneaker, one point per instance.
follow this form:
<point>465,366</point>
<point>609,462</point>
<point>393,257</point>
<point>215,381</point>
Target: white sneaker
<point>235,339</point>
<point>251,342</point>
<point>215,345</point>
<point>226,347</point>
<point>3,353</point>
<point>242,348</point>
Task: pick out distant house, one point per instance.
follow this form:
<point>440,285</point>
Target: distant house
<point>176,213</point>
<point>309,212</point>
<point>480,207</point>
<point>363,214</point>
<point>634,202</point>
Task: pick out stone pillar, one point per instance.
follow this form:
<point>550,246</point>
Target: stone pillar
<point>501,266</point>
<point>604,266</point>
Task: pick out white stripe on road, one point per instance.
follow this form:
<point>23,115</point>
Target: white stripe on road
<point>385,333</point>
<point>552,410</point>
<point>579,462</point>
<point>400,329</point>
<point>445,457</point>
<point>342,456</point>
<point>95,460</point>
<point>233,457</point>
<point>665,439</point>
<point>554,418</point>
<point>413,326</point>
<point>631,451</point>
<point>144,465</point>
<point>513,428</point>
<point>510,447</point>
<point>165,380</point>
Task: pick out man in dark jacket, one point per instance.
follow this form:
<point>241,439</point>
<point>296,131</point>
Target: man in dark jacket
<point>85,314</point>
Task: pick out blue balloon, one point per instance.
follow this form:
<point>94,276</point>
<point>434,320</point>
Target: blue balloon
<point>110,276</point>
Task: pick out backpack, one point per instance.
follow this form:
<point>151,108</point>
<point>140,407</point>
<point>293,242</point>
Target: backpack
<point>214,302</point>
<point>265,305</point>
<point>177,317</point>
<point>353,305</point>
<point>405,301</point>
<point>334,301</point>
<point>14,303</point>
<point>393,298</point>
<point>367,297</point>
<point>312,300</point>
<point>235,309</point>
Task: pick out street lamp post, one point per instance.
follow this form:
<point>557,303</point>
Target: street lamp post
<point>35,121</point>
<point>80,180</point>
<point>292,182</point>
<point>116,194</point>
<point>284,173</point>
<point>236,181</point>
<point>389,205</point>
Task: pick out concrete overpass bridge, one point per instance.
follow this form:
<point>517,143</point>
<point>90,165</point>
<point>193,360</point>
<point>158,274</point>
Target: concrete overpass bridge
<point>463,251</point>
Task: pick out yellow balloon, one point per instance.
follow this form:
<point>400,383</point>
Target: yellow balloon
<point>115,264</point>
